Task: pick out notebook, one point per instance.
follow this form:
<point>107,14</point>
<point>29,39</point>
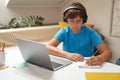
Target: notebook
<point>36,53</point>
<point>84,65</point>
<point>102,76</point>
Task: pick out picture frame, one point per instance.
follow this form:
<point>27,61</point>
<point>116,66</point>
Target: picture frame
<point>115,26</point>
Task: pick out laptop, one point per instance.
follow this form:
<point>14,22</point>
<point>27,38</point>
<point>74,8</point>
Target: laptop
<point>36,53</point>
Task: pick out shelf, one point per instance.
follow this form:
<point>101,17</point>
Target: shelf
<point>35,3</point>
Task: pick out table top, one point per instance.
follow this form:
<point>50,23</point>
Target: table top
<point>33,72</point>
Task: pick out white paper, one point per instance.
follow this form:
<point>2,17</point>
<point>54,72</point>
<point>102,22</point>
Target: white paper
<point>84,65</point>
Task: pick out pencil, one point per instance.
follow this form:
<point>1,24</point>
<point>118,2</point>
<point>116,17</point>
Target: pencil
<point>0,47</point>
<point>3,47</point>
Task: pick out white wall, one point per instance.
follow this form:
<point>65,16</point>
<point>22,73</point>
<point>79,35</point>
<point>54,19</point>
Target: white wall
<point>100,14</point>
<point>51,14</point>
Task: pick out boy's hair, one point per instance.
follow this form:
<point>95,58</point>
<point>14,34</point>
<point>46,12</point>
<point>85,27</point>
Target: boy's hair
<point>75,9</point>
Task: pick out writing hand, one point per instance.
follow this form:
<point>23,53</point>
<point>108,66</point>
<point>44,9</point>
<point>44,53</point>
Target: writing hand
<point>94,60</point>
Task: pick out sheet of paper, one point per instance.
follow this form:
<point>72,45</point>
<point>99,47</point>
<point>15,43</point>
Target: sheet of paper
<point>84,65</point>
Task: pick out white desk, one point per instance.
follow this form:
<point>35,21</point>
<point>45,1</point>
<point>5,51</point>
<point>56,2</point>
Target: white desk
<point>32,72</point>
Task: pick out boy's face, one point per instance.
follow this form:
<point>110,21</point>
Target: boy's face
<point>75,23</point>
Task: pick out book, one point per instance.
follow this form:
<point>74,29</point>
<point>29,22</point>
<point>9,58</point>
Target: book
<point>102,75</point>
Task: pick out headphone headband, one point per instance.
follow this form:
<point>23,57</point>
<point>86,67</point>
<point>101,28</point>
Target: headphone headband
<point>76,8</point>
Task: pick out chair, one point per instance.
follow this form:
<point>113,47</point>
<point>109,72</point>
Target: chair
<point>97,52</point>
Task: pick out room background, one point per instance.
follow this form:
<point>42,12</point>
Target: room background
<point>99,14</point>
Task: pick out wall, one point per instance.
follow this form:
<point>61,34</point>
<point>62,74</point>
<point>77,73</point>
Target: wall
<point>51,14</point>
<point>100,14</point>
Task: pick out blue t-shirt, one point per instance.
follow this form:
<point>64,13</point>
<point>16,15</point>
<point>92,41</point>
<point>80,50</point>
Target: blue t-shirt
<point>82,43</point>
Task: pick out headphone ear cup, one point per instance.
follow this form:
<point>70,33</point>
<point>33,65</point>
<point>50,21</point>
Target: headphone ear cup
<point>64,19</point>
<point>85,19</point>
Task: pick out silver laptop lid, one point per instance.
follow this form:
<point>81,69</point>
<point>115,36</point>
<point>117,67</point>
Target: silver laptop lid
<point>35,53</point>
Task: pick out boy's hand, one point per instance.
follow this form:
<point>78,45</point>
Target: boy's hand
<point>94,60</point>
<point>74,57</point>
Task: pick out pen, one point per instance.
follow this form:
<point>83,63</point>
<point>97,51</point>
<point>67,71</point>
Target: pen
<point>92,55</point>
<point>0,47</point>
<point>3,47</point>
<point>95,52</point>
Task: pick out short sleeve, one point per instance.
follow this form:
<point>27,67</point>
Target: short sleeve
<point>95,38</point>
<point>60,35</point>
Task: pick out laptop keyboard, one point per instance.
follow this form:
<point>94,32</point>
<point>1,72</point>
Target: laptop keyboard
<point>55,65</point>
